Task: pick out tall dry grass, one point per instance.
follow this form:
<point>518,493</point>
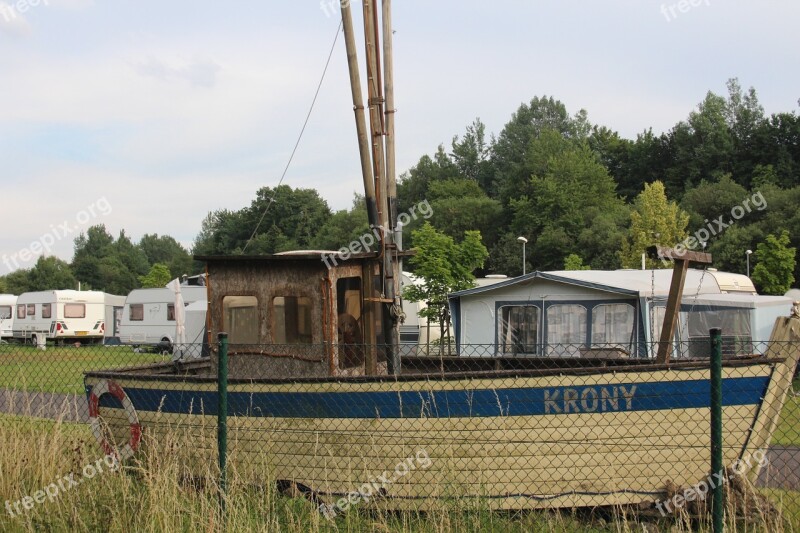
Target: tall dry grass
<point>155,492</point>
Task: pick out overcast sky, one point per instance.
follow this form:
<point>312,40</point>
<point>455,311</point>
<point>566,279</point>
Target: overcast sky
<point>146,115</point>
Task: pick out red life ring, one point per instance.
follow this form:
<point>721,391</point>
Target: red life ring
<point>112,388</point>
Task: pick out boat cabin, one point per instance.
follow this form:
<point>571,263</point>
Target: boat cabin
<point>308,314</point>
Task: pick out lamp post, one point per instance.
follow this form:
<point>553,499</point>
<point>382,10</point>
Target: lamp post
<point>524,241</point>
<point>747,254</point>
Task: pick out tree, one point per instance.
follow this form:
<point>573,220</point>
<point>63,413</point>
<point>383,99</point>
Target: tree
<point>444,267</point>
<point>471,155</point>
<point>166,250</point>
<point>18,281</point>
<point>51,273</point>
<point>277,220</point>
<point>527,124</point>
<point>459,205</point>
<point>158,277</point>
<point>574,262</point>
<point>655,220</point>
<point>562,203</point>
<point>343,227</point>
<point>774,272</point>
<point>3,286</point>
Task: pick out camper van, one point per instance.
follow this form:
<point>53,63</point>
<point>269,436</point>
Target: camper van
<point>63,315</point>
<point>7,303</point>
<point>149,317</point>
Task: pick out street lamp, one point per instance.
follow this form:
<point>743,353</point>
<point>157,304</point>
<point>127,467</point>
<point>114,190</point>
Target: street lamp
<point>523,240</point>
<point>747,253</point>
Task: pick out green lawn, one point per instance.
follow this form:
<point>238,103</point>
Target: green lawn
<point>60,369</point>
<point>788,432</point>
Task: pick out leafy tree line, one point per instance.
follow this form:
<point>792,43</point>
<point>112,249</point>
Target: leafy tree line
<point>101,262</point>
<point>582,195</point>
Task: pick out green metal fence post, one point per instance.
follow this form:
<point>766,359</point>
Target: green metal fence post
<point>717,504</point>
<point>222,419</point>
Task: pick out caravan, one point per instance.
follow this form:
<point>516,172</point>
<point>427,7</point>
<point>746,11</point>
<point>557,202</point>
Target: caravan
<point>149,317</point>
<point>63,315</point>
<point>7,303</point>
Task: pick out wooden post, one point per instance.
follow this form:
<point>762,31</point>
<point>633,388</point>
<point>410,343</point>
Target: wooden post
<point>682,259</point>
<point>368,318</point>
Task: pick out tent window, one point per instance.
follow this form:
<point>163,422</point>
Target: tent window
<point>518,329</point>
<point>240,319</point>
<point>5,312</point>
<point>566,329</point>
<point>292,317</point>
<point>171,312</point>
<point>736,332</point>
<point>31,309</point>
<point>47,310</point>
<point>136,312</point>
<point>20,311</point>
<point>613,325</point>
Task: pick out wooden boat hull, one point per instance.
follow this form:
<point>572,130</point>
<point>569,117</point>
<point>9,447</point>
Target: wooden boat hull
<point>514,441</point>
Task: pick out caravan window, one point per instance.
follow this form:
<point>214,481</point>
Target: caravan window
<point>292,316</point>
<point>20,311</point>
<point>5,312</point>
<point>136,312</point>
<point>74,310</point>
<point>47,310</point>
<point>240,319</point>
<point>31,309</point>
<point>171,312</point>
<point>566,329</point>
<point>518,329</point>
<point>612,325</point>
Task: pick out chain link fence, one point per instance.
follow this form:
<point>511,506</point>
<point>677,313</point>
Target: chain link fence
<point>459,428</point>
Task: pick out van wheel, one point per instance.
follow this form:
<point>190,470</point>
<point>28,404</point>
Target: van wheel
<point>34,340</point>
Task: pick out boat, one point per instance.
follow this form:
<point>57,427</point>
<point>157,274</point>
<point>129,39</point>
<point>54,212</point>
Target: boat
<point>321,398</point>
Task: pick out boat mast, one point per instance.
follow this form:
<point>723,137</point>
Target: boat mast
<point>382,185</point>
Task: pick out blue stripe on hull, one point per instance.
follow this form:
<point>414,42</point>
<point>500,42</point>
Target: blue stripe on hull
<point>452,403</point>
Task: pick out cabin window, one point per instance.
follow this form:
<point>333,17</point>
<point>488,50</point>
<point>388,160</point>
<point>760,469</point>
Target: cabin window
<point>47,310</point>
<point>31,309</point>
<point>613,325</point>
<point>136,312</point>
<point>349,322</point>
<point>518,329</point>
<point>74,310</point>
<point>20,311</point>
<point>240,319</point>
<point>5,312</point>
<point>566,329</point>
<point>171,312</point>
<point>292,317</point>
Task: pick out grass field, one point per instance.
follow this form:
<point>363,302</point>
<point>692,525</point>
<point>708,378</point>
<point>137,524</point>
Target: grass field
<point>152,495</point>
<point>61,368</point>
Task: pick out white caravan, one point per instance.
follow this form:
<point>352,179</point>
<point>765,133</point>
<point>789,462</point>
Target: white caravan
<point>149,317</point>
<point>63,315</point>
<point>7,303</point>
